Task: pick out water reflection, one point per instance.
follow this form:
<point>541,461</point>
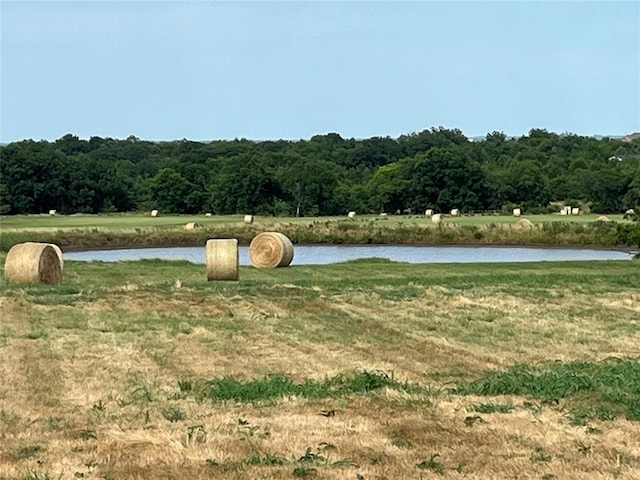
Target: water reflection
<point>324,254</point>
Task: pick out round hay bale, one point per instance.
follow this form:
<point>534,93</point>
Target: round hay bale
<point>428,213</point>
<point>208,214</point>
<point>154,213</point>
<point>455,212</point>
<point>271,250</point>
<point>437,218</point>
<point>222,259</point>
<point>523,224</point>
<point>191,226</point>
<point>32,262</point>
<point>575,211</point>
<point>59,253</point>
<point>517,212</point>
<point>52,212</point>
<point>383,214</point>
<point>602,218</point>
<point>351,214</point>
<point>248,219</point>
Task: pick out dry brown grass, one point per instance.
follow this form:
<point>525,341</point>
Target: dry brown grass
<point>85,388</point>
<point>523,224</point>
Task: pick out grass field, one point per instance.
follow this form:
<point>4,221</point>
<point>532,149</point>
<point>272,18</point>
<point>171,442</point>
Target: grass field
<point>363,370</point>
<point>105,231</point>
<point>132,221</point>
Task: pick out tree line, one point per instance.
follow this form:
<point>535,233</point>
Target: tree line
<point>437,168</point>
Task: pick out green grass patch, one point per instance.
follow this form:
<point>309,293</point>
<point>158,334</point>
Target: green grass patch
<point>370,260</point>
<point>26,452</point>
<point>278,386</point>
<point>602,390</point>
<point>492,408</point>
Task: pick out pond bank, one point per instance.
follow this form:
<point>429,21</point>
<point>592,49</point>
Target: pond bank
<point>557,234</point>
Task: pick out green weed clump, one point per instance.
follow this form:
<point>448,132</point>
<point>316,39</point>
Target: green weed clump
<point>492,407</point>
<point>278,386</point>
<point>26,452</point>
<point>602,390</point>
<point>432,464</point>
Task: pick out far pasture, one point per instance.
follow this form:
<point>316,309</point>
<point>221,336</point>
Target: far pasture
<point>131,221</point>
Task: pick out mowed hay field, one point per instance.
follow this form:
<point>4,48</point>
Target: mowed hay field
<point>115,231</point>
<point>133,221</point>
<point>362,370</point>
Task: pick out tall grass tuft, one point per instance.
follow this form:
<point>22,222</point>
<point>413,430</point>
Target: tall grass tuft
<point>278,385</point>
<point>601,389</point>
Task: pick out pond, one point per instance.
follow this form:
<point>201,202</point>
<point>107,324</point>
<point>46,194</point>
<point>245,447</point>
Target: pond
<point>325,254</point>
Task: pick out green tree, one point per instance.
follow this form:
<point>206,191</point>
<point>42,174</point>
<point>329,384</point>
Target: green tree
<point>605,187</point>
<point>388,188</point>
<point>242,184</point>
<point>631,198</point>
<point>173,193</point>
<point>444,178</point>
<point>311,185</point>
<point>5,199</point>
<point>529,186</point>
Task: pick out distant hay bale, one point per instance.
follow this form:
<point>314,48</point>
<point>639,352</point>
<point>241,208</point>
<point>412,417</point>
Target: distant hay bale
<point>271,250</point>
<point>455,212</point>
<point>383,214</point>
<point>428,213</point>
<point>154,213</point>
<point>208,214</point>
<point>351,214</point>
<point>575,211</point>
<point>222,259</point>
<point>191,226</point>
<point>517,212</point>
<point>437,218</point>
<point>52,212</point>
<point>602,218</point>
<point>630,215</point>
<point>248,219</point>
<point>523,224</point>
<point>32,262</point>
<point>566,210</point>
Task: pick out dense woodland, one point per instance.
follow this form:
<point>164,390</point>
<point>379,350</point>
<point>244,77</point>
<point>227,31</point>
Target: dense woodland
<point>325,175</point>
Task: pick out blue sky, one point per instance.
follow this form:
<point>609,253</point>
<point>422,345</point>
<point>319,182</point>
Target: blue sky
<point>289,70</point>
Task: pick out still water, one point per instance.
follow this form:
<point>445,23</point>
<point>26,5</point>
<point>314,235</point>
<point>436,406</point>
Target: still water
<point>324,254</point>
